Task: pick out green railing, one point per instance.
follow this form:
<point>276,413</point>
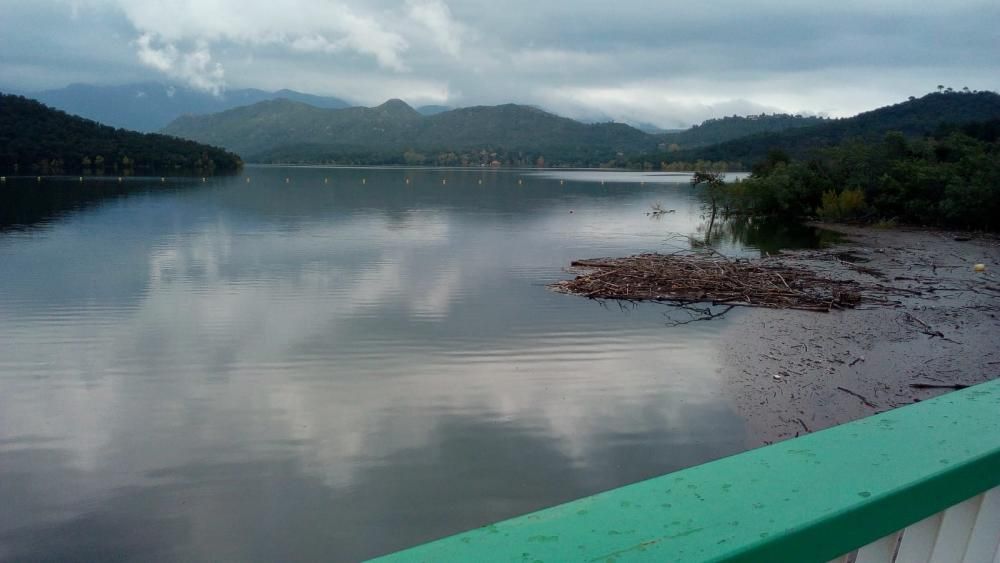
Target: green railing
<point>813,498</point>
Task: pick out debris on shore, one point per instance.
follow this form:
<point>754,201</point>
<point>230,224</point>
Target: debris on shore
<point>702,277</point>
<point>918,319</point>
<point>928,324</point>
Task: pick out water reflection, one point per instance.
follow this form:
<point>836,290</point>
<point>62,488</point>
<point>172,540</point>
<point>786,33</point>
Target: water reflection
<point>766,235</point>
<point>333,366</point>
<point>26,203</point>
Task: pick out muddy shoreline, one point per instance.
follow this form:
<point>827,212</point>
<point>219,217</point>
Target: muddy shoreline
<point>792,372</point>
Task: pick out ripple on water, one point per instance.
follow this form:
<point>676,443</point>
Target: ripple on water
<point>357,367</point>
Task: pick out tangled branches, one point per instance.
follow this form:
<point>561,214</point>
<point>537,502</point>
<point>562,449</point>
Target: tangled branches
<point>710,278</point>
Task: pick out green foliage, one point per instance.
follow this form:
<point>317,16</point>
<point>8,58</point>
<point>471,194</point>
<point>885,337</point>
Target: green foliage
<point>793,188</point>
<point>951,179</point>
<point>712,179</point>
<point>774,158</point>
<point>715,187</point>
<point>848,204</point>
<point>37,139</point>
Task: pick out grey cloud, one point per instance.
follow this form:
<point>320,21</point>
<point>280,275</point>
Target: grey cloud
<point>671,63</point>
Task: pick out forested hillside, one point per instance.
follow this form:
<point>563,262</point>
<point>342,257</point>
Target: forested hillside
<point>36,139</point>
<point>286,131</point>
<point>714,131</point>
<point>915,117</point>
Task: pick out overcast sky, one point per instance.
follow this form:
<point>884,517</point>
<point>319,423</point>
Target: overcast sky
<point>667,63</point>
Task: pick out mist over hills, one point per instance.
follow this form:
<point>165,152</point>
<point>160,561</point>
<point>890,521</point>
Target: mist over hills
<point>150,106</point>
<point>293,127</point>
<point>288,131</point>
<point>432,109</point>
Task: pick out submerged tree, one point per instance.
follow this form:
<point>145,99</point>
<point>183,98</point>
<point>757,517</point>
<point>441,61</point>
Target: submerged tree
<point>715,183</point>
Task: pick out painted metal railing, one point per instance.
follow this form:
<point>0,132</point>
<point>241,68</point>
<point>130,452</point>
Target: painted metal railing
<point>918,484</point>
<point>968,532</point>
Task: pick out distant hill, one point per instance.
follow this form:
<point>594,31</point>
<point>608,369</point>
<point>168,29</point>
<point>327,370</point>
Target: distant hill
<point>714,131</point>
<point>150,106</point>
<point>264,130</point>
<point>264,126</point>
<point>282,131</point>
<point>432,110</point>
<point>652,129</point>
<point>36,139</point>
<point>287,131</point>
<point>915,117</point>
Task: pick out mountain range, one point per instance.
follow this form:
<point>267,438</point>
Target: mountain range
<point>150,106</point>
<point>289,131</point>
<point>293,127</point>
<point>258,129</point>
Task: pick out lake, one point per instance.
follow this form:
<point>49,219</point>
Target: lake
<point>320,363</point>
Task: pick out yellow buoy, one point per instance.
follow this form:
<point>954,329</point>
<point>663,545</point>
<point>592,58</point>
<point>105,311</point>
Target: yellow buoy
<point>480,181</point>
<point>203,179</point>
<point>119,179</point>
<point>519,182</point>
<point>979,268</point>
<point>162,179</point>
<point>287,180</point>
<point>39,178</point>
<point>407,180</point>
<point>248,179</point>
<point>81,178</point>
<point>364,180</point>
<point>443,182</point>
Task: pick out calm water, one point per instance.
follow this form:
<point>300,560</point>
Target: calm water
<point>336,366</point>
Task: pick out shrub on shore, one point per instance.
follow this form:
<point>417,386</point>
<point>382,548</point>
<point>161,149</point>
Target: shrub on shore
<point>950,179</point>
<point>848,204</point>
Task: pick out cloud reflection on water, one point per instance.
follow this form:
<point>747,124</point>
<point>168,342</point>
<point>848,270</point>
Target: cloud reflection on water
<point>295,380</point>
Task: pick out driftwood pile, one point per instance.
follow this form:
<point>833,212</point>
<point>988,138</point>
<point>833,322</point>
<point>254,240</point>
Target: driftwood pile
<point>710,278</point>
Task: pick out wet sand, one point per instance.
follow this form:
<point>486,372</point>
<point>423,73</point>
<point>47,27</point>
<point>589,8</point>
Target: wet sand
<point>831,368</point>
